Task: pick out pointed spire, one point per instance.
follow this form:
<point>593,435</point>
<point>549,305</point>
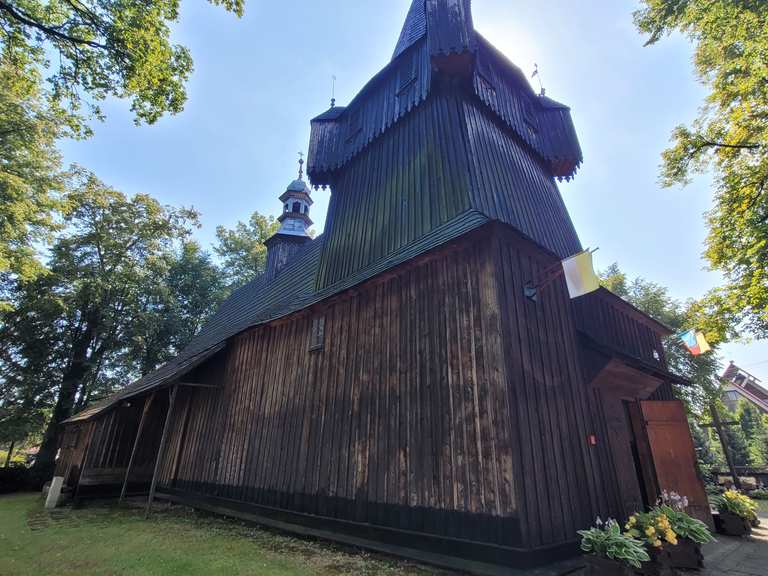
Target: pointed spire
<point>446,23</point>
<point>301,166</point>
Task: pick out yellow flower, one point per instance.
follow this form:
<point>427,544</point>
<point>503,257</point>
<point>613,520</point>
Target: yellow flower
<point>650,531</point>
<point>657,544</point>
<point>632,520</point>
<point>670,536</point>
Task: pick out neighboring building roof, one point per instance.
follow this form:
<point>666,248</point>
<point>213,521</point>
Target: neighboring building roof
<point>746,385</point>
<point>259,302</point>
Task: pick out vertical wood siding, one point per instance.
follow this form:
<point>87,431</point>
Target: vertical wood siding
<point>509,184</point>
<point>560,487</point>
<point>401,420</point>
<point>398,190</point>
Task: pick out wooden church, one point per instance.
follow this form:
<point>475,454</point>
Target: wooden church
<point>394,383</point>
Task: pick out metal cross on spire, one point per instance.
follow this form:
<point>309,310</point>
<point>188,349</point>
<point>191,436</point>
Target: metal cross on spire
<point>301,165</point>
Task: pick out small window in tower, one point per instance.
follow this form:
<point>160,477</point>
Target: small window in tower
<point>297,207</point>
<point>286,207</point>
<point>306,209</point>
<point>408,73</point>
<point>317,337</point>
<point>355,125</point>
<point>529,116</point>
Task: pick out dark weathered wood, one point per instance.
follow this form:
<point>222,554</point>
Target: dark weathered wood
<point>161,449</point>
<point>144,412</point>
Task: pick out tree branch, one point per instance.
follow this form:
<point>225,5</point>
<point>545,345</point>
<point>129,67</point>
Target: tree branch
<point>708,144</point>
<point>51,31</point>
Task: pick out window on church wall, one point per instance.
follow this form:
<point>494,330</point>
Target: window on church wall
<point>286,207</point>
<point>297,207</point>
<point>317,335</point>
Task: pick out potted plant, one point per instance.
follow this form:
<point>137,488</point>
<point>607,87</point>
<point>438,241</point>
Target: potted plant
<point>655,532</point>
<point>691,533</point>
<point>736,513</point>
<point>611,553</point>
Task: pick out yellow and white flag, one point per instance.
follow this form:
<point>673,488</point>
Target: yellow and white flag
<point>580,274</point>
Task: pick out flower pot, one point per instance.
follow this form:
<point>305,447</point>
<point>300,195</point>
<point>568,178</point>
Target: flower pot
<point>687,555</point>
<point>659,565</point>
<point>732,524</point>
<point>597,566</point>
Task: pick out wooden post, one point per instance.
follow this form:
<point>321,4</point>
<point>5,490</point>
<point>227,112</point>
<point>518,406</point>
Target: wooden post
<point>147,406</point>
<point>717,424</point>
<point>161,448</point>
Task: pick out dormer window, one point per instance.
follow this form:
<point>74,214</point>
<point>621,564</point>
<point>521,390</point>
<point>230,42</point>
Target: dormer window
<point>355,125</point>
<point>409,72</point>
<point>529,116</point>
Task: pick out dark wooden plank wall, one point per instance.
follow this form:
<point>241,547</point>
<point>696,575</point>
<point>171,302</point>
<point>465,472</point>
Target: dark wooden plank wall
<point>612,327</point>
<point>402,420</point>
<point>397,190</point>
<point>509,183</point>
<point>561,482</point>
<point>113,437</point>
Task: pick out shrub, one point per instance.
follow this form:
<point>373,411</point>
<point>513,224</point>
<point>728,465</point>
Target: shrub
<point>687,527</point>
<point>607,541</point>
<point>761,494</point>
<point>13,479</point>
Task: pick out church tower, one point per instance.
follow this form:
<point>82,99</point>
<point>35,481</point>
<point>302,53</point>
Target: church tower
<point>294,225</point>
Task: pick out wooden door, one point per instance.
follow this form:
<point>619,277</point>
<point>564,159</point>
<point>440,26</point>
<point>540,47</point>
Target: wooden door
<point>620,441</point>
<point>673,453</point>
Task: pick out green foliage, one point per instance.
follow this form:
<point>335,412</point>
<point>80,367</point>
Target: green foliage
<point>730,136</point>
<point>685,526</point>
<point>607,541</point>
<point>100,48</point>
<point>753,424</point>
<point>736,503</point>
<point>654,300</point>
<point>31,180</point>
<point>65,337</point>
<point>242,249</point>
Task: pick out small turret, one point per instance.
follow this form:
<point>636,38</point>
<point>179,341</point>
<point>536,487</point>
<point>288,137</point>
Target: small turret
<point>294,225</point>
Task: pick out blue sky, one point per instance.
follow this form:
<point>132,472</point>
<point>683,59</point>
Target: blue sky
<point>259,80</point>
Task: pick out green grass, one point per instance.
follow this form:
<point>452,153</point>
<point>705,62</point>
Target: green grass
<point>762,507</point>
<point>100,540</point>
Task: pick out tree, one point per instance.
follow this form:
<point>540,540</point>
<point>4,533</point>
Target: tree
<point>100,48</point>
<point>755,431</point>
<point>31,179</point>
<point>729,136</point>
<point>242,249</point>
<point>69,326</point>
<point>654,300</point>
<point>187,290</point>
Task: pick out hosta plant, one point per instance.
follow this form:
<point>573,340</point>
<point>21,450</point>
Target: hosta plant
<point>685,526</point>
<point>652,528</point>
<point>737,503</point>
<point>607,541</point>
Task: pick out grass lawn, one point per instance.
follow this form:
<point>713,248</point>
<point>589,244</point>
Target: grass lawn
<point>109,541</point>
<point>762,506</point>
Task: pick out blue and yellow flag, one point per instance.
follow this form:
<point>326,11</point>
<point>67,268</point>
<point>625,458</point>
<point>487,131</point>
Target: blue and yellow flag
<point>695,342</point>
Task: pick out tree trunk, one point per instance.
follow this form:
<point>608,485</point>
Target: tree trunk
<point>10,451</point>
<point>78,369</point>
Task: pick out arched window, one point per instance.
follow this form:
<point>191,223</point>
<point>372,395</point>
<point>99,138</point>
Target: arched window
<point>286,207</point>
<point>297,207</point>
<point>306,209</point>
